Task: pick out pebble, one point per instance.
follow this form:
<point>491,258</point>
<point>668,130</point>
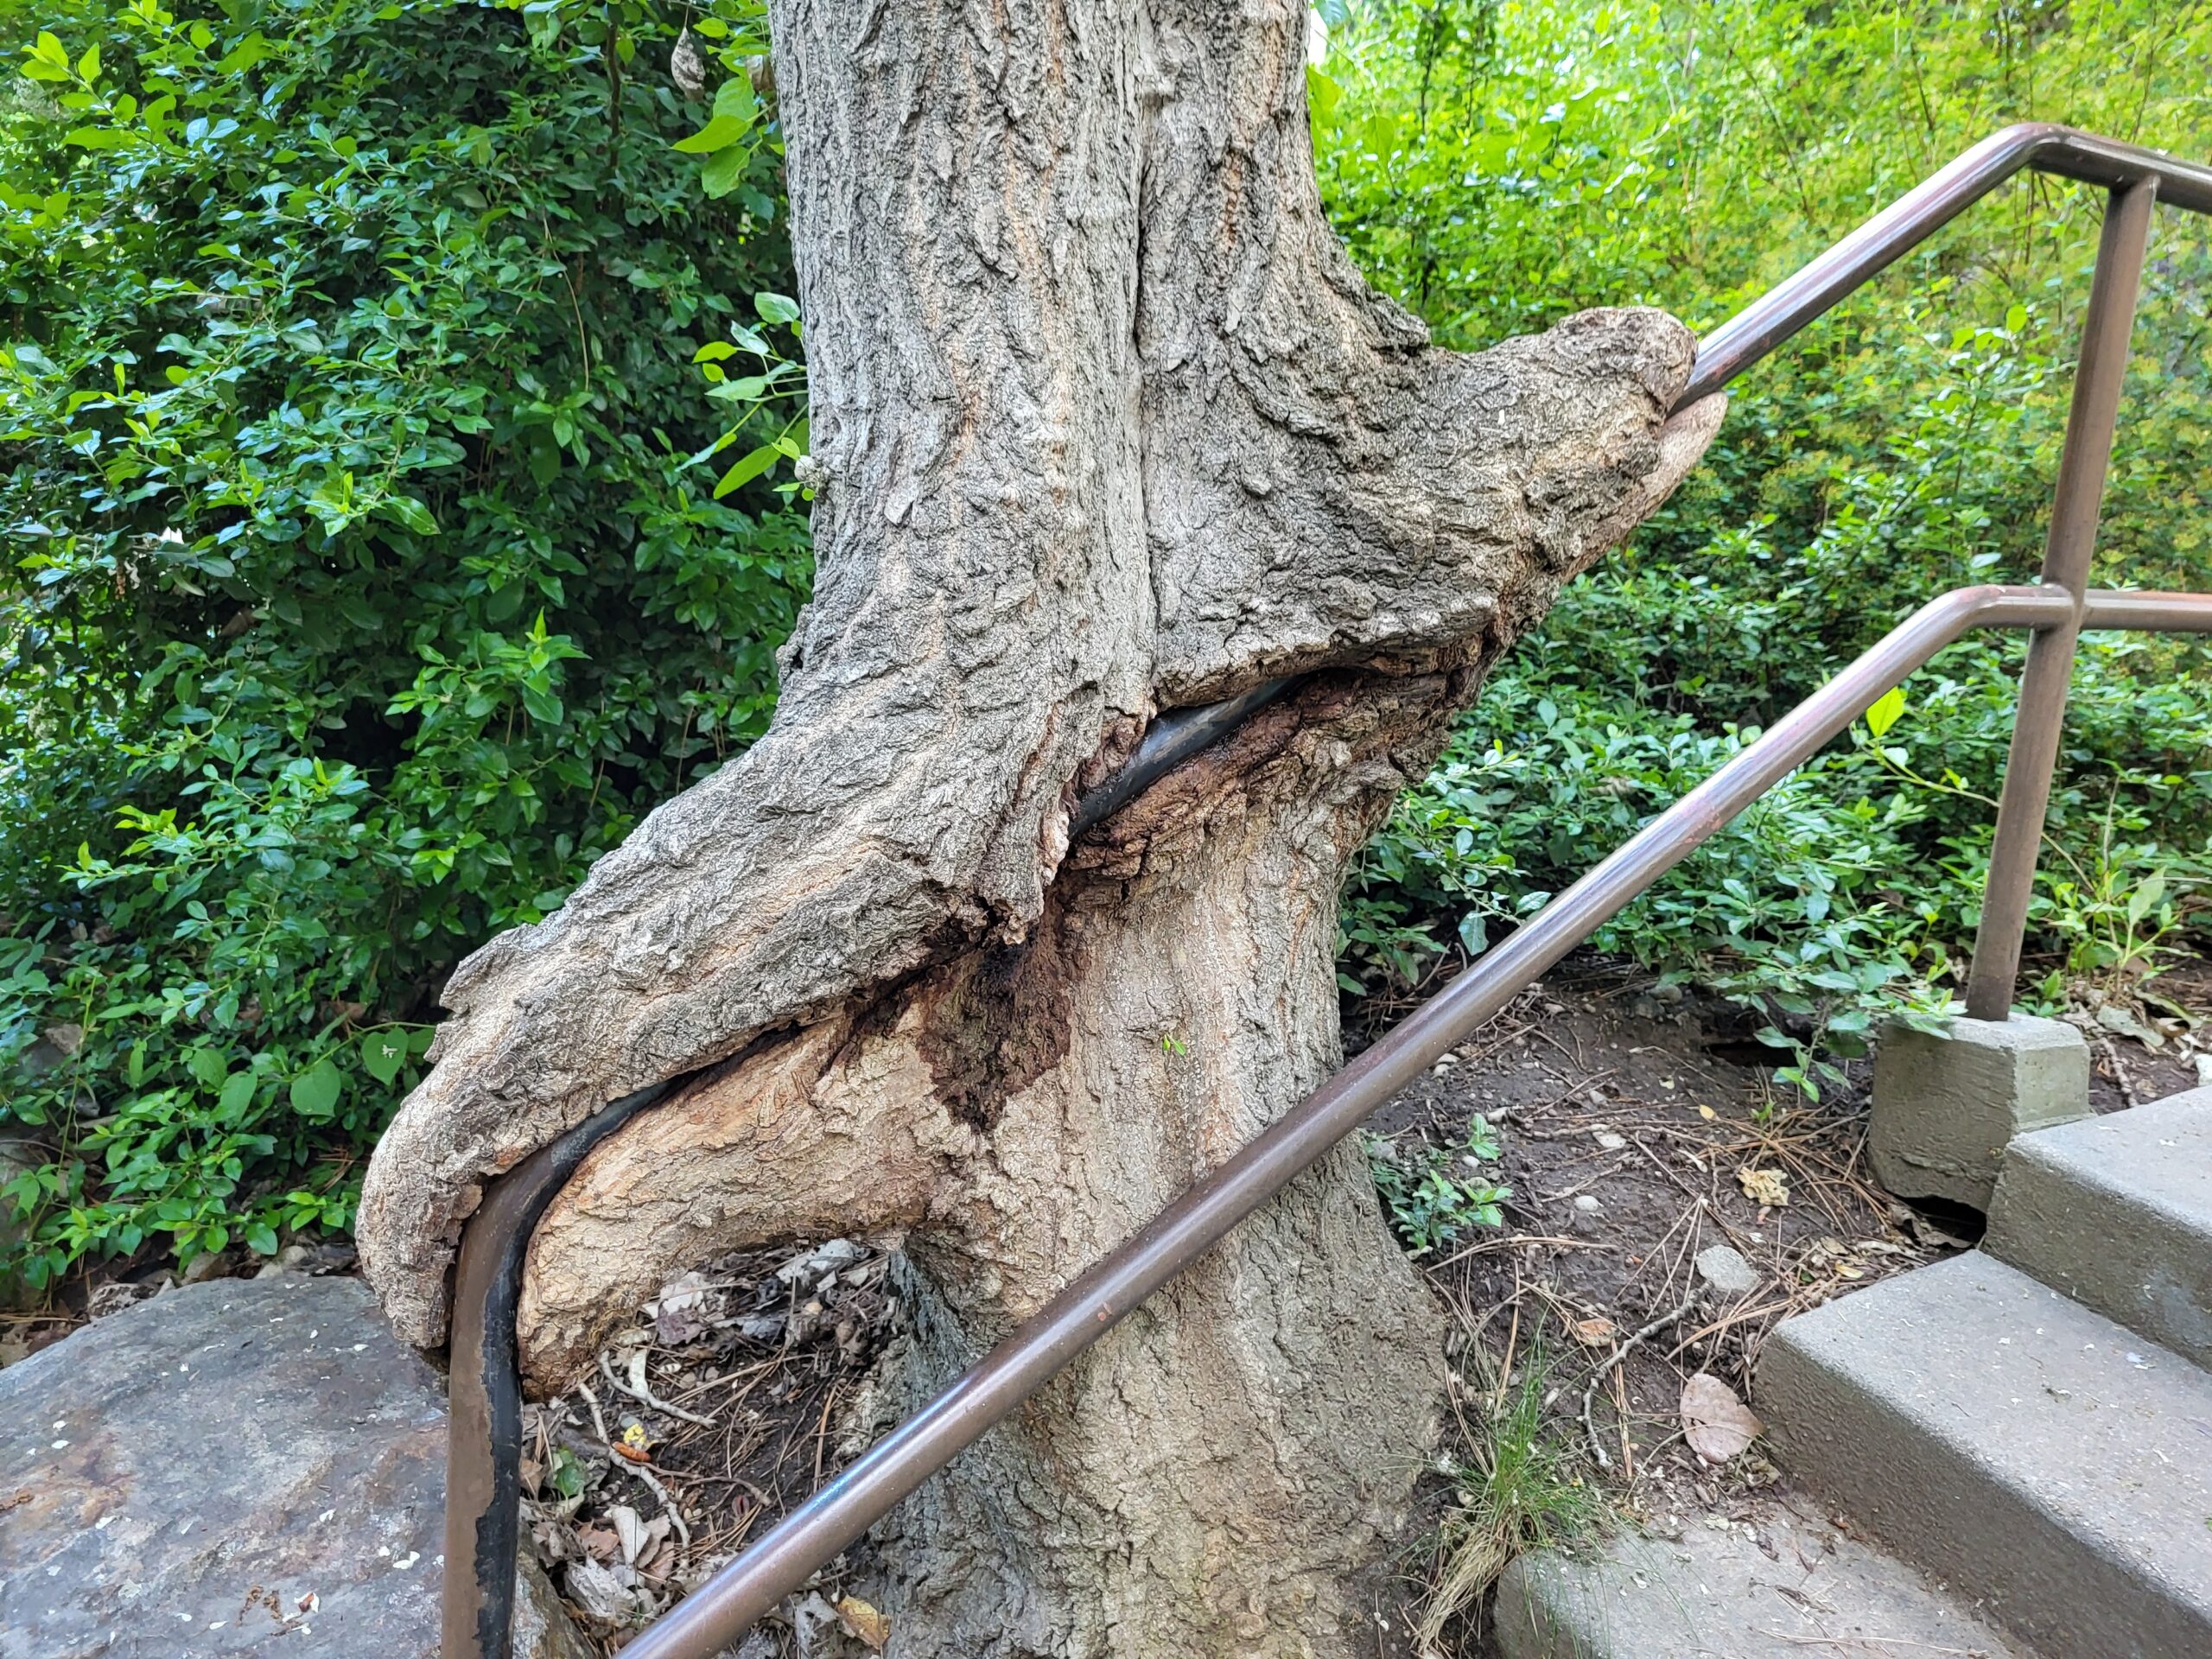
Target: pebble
<point>1726,1271</point>
<point>1587,1204</point>
<point>1612,1142</point>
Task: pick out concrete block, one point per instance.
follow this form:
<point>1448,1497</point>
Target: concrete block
<point>1945,1108</point>
<point>1997,1435</point>
<point>1783,1586</point>
<point>2116,1212</point>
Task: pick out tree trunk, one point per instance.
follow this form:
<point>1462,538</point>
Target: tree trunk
<point>1104,423</point>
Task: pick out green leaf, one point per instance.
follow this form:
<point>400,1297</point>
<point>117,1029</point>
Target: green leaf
<point>261,1238</point>
<point>241,57</point>
<point>747,469</point>
<point>542,705</point>
<point>315,1091</point>
<point>724,171</point>
<point>1322,95</point>
<point>723,129</point>
<point>775,308</point>
<point>412,514</point>
<point>208,1065</point>
<point>1885,710</point>
<point>2016,318</point>
<point>714,351</point>
<point>2144,899</point>
<point>735,99</point>
<point>236,1096</point>
<point>567,1475</point>
<point>383,1053</point>
<point>88,67</point>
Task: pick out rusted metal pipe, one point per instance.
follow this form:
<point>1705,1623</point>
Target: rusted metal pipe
<point>2107,328</point>
<point>2148,612</point>
<point>484,1389</point>
<point>2047,148</point>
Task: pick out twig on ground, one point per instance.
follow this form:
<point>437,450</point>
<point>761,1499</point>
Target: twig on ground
<point>1612,1362</point>
<point>2119,1072</point>
<point>637,1390</point>
<point>667,1502</point>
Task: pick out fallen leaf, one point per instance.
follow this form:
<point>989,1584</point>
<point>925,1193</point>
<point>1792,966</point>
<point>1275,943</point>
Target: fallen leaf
<point>1592,1332</point>
<point>1767,1186</point>
<point>1708,1113</point>
<point>630,1529</point>
<point>1715,1422</point>
<point>863,1623</point>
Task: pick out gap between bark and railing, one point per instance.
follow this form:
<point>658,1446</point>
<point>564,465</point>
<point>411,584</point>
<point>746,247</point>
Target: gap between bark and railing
<point>483,1468</point>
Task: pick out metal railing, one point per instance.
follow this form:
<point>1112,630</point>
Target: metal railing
<point>483,1490</point>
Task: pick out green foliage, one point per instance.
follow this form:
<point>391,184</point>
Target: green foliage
<point>1498,165</point>
<point>368,577</point>
<point>1432,1194</point>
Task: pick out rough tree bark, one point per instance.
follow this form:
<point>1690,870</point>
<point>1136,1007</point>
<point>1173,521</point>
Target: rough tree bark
<point>1104,422</point>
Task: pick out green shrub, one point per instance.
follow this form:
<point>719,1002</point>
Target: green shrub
<point>368,577</point>
<point>1432,1194</point>
<point>1498,165</point>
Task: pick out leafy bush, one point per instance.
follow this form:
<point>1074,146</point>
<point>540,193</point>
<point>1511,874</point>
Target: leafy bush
<point>1499,165</point>
<point>1432,1194</point>
<point>369,575</point>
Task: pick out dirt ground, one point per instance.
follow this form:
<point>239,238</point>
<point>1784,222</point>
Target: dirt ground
<point>1636,1129</point>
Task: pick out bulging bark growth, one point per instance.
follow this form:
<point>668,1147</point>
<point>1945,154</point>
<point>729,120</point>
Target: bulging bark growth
<point>1105,423</point>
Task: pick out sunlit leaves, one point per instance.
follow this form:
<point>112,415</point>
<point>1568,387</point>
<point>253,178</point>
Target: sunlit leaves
<point>367,582</point>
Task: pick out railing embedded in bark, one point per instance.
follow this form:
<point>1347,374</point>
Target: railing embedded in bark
<point>483,1490</point>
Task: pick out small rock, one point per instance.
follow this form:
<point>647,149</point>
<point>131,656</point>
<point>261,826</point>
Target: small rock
<point>209,1264</point>
<point>1587,1204</point>
<point>1612,1142</point>
<point>293,1258</point>
<point>1726,1271</point>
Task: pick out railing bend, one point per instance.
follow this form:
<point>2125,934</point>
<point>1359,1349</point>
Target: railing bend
<point>485,1444</point>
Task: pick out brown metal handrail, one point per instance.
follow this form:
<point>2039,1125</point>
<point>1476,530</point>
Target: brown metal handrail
<point>483,1447</point>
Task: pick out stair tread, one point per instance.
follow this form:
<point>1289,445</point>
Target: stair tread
<point>1785,1584</point>
<point>2159,1154</point>
<point>2116,1212</point>
<point>2009,1438</point>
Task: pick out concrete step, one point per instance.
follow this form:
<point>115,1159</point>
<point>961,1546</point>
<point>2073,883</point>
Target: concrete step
<point>1783,1586</point>
<point>1999,1436</point>
<point>2116,1212</point>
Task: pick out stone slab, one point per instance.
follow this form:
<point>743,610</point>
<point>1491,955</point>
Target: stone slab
<point>1995,1434</point>
<point>1783,1586</point>
<point>240,1467</point>
<point>1945,1108</point>
<point>2116,1212</point>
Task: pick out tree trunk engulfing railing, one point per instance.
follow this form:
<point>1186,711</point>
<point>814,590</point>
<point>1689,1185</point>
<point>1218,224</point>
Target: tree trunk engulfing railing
<point>483,1491</point>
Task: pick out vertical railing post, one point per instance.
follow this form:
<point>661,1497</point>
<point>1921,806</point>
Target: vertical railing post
<point>2106,332</point>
